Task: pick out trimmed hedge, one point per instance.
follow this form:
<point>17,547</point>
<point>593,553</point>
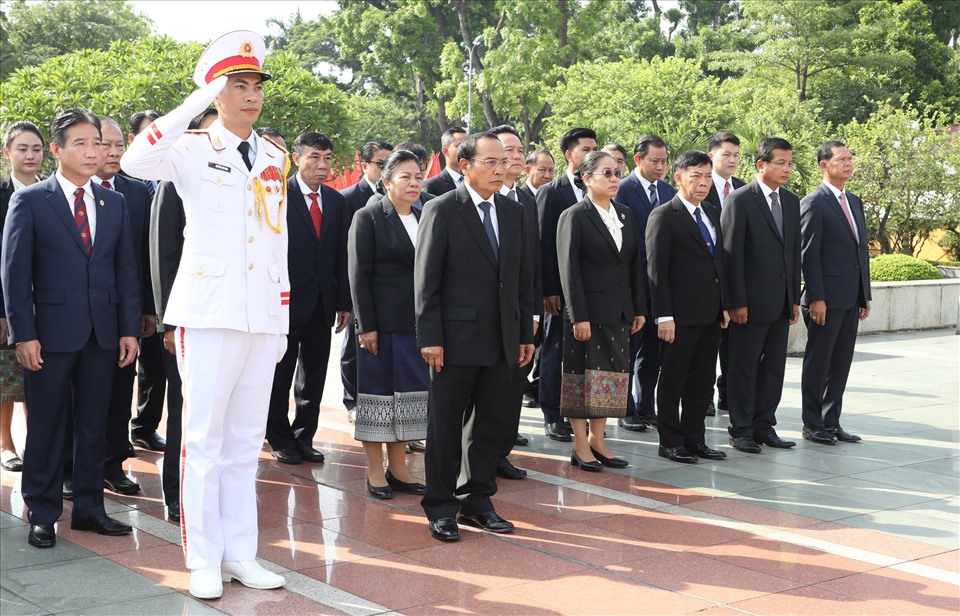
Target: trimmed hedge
<point>896,268</point>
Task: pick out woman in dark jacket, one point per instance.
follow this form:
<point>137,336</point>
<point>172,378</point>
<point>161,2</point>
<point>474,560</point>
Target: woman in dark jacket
<point>602,278</point>
<point>392,378</point>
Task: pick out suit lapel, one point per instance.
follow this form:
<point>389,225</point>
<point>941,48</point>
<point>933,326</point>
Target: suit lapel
<point>503,225</point>
<point>834,204</point>
<point>566,189</point>
<point>61,207</point>
<point>687,221</point>
<point>297,203</point>
<point>594,217</point>
<point>396,225</point>
<point>472,219</point>
<point>761,201</point>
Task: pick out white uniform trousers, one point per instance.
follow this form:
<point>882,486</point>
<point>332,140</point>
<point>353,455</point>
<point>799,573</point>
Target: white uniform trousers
<point>227,378</point>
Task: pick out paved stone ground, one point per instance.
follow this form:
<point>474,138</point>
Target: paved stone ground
<point>867,528</point>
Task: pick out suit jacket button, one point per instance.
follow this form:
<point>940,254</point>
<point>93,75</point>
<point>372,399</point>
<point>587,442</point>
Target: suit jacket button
<point>199,271</point>
<point>501,285</point>
<point>716,280</point>
<point>91,290</point>
<point>250,240</point>
<point>249,212</point>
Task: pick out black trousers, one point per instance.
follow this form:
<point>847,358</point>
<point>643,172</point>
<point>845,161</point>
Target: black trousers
<point>170,475</point>
<point>826,366</point>
<point>551,366</point>
<point>348,367</point>
<point>118,421</point>
<point>687,370</point>
<point>724,357</point>
<point>84,377</point>
<point>645,352</point>
<point>758,358</point>
<point>518,385</point>
<point>151,381</point>
<point>305,366</point>
<point>494,426</point>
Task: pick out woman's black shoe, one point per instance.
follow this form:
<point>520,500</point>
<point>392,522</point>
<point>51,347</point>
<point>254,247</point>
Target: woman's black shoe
<point>609,462</point>
<point>384,492</point>
<point>593,467</point>
<point>409,488</point>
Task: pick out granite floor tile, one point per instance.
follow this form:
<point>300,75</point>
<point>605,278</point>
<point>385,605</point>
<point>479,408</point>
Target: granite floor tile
<point>668,532</point>
<point>842,533</point>
<point>813,600</point>
<point>569,504</point>
<point>303,546</point>
<point>810,504</point>
<point>900,591</point>
<point>17,553</point>
<point>909,525</point>
<point>169,603</point>
<point>488,601</point>
<point>12,605</point>
<point>948,561</point>
<point>588,543</point>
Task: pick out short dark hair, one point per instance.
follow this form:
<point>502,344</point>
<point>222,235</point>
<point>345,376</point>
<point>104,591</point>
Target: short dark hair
<point>573,136</point>
<point>418,150</point>
<point>720,138</point>
<point>200,117</point>
<point>505,128</point>
<point>533,156</point>
<point>646,142</point>
<point>112,122</point>
<point>691,158</point>
<point>370,149</point>
<point>399,156</point>
<point>590,163</point>
<point>767,145</point>
<point>447,137</point>
<point>615,146</point>
<point>137,119</point>
<point>312,139</point>
<point>68,119</point>
<point>267,131</point>
<point>468,147</point>
<point>825,151</point>
<point>18,128</point>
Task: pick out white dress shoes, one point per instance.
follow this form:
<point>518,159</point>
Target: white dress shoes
<point>206,584</point>
<point>250,574</point>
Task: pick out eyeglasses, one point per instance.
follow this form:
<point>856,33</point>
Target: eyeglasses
<point>783,164</point>
<point>492,163</point>
<point>378,163</point>
<point>609,173</point>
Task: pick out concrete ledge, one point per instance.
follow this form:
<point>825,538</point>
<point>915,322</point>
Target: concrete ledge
<point>900,306</point>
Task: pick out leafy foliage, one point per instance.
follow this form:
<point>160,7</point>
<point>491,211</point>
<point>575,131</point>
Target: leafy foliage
<point>895,268</point>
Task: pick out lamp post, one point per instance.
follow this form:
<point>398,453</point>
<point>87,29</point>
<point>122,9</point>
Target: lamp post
<point>476,42</point>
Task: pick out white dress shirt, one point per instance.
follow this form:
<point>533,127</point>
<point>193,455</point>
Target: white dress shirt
<point>767,191</point>
<point>17,184</point>
<point>573,185</point>
<point>477,200</point>
<point>457,177</point>
<point>306,190</point>
<point>69,188</point>
<point>719,183</point>
<point>233,143</point>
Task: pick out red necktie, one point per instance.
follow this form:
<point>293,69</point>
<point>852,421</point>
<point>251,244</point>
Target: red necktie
<point>106,184</point>
<point>315,214</point>
<point>849,215</point>
<point>83,225</point>
<point>726,190</point>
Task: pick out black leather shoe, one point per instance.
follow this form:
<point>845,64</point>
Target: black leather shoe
<point>558,432</point>
<point>594,467</point>
<point>521,441</point>
<point>42,536</point>
<point>308,453</point>
<point>488,521</point>
<point>529,402</point>
<point>173,512</point>
<point>649,420</point>
<point>14,465</point>
<point>702,451</point>
<point>445,529</point>
<point>381,492</point>
<point>121,485</point>
<point>711,409</point>
<point>416,446</point>
<point>287,455</point>
<point>744,444</point>
<point>722,404</point>
<point>632,423</point>
<point>407,488</point>
<point>609,462</point>
<point>508,471</point>
<point>103,525</point>
<point>842,435</point>
<point>68,489</point>
<point>819,436</point>
<point>677,454</point>
<point>772,439</point>
<point>150,440</point>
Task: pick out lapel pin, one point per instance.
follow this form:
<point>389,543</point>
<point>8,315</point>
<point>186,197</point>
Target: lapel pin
<point>622,217</point>
<point>101,202</point>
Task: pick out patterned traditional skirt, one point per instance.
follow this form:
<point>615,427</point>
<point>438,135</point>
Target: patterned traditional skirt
<point>595,372</point>
<point>11,376</point>
<point>392,391</point>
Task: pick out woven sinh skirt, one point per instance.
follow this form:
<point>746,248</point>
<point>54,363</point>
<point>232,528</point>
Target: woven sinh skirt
<point>392,391</point>
<point>11,376</point>
<point>595,372</point>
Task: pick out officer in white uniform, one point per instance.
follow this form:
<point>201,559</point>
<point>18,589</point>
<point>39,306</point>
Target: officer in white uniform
<point>230,300</point>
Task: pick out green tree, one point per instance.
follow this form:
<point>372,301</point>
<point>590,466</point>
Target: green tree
<point>36,32</point>
<point>907,171</point>
<point>376,117</point>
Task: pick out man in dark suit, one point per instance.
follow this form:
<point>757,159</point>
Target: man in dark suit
<point>836,294</point>
<point>474,302</point>
<point>761,245</point>
<point>138,208</point>
<point>642,191</point>
<point>685,263</point>
<point>372,155</point>
<point>317,220</point>
<point>724,150</point>
<point>72,295</point>
<point>552,200</point>
<point>450,178</point>
<point>538,167</point>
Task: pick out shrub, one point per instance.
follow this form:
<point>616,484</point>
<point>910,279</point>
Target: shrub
<point>893,268</point>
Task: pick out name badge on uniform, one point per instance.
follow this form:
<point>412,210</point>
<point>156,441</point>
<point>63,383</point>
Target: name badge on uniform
<point>219,167</point>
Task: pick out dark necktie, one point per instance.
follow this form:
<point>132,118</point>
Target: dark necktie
<point>315,214</point>
<point>777,212</point>
<point>654,199</point>
<point>512,195</point>
<point>244,148</point>
<point>106,184</point>
<point>83,225</point>
<point>704,231</point>
<point>488,227</point>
